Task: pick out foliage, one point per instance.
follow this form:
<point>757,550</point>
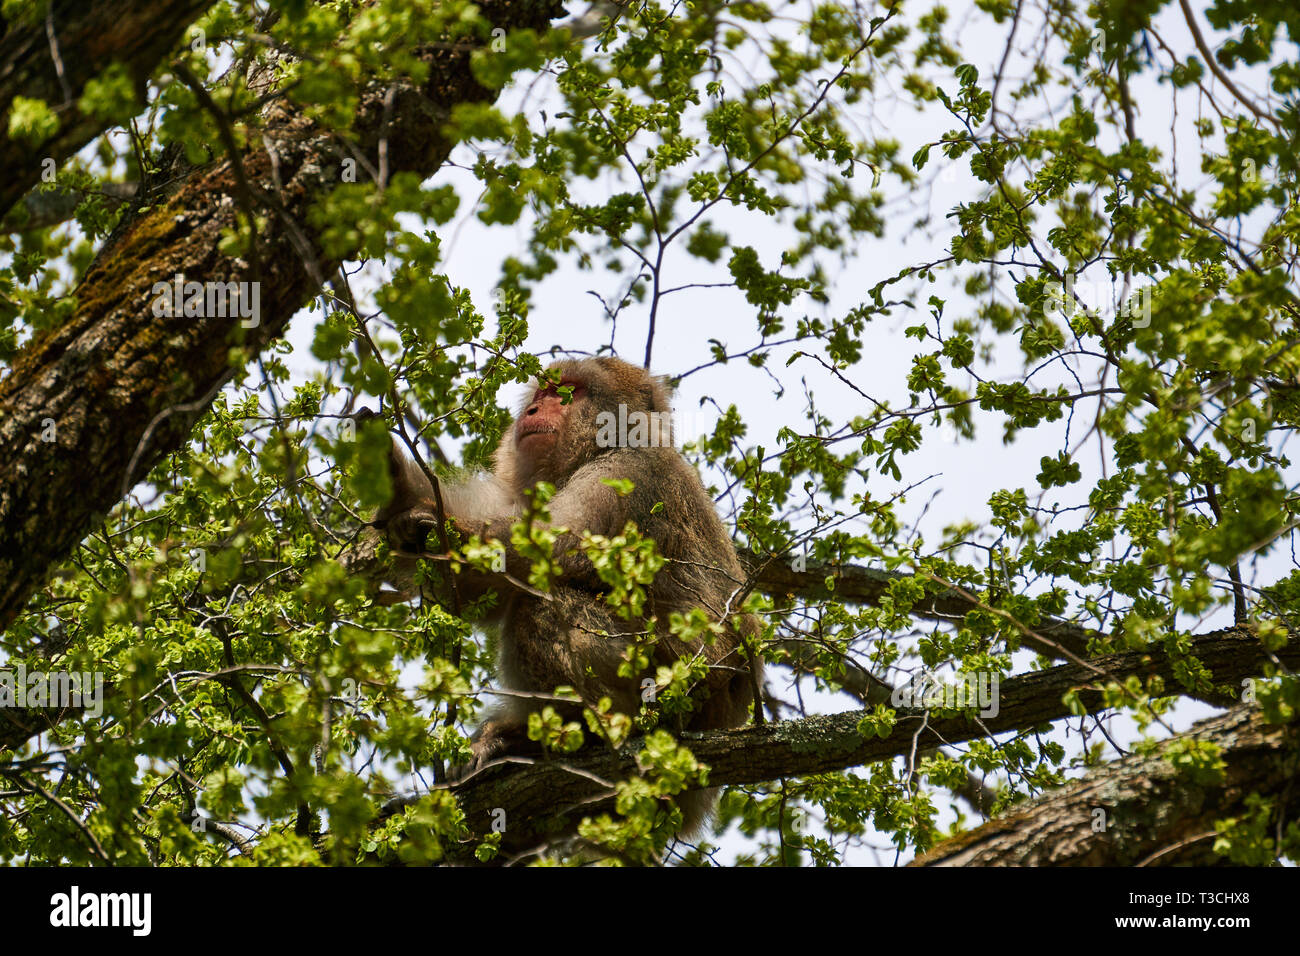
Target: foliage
<point>1088,293</point>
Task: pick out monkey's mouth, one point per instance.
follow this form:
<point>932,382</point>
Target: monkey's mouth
<point>548,431</point>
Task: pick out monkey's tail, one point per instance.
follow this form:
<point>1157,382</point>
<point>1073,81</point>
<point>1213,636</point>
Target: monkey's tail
<point>697,811</point>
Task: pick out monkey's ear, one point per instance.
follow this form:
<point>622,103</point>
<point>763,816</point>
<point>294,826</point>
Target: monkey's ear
<point>658,393</point>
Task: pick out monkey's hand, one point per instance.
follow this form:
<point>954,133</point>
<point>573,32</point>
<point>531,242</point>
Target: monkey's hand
<point>409,530</point>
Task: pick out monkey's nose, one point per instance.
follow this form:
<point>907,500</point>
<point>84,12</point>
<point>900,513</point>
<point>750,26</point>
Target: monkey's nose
<point>532,410</point>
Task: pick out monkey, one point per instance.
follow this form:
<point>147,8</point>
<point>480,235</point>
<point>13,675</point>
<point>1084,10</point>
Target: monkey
<point>567,434</point>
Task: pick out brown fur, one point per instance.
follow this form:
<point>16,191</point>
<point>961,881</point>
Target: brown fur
<point>572,637</point>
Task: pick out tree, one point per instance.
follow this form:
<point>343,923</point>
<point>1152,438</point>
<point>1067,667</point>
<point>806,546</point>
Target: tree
<point>183,492</point>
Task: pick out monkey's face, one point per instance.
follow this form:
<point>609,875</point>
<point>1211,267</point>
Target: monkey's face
<point>553,438</point>
<point>546,420</point>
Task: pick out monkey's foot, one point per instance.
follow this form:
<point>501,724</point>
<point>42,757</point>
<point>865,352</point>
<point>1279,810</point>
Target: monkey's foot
<point>491,742</point>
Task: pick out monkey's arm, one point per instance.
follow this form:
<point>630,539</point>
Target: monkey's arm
<point>411,516</point>
<point>483,505</point>
<point>585,503</point>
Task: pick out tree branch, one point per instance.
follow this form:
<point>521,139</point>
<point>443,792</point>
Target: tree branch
<point>1152,813</point>
<point>52,58</point>
<point>855,584</point>
<point>540,798</point>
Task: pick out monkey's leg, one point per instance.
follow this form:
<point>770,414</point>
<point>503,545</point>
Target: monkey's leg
<point>567,640</point>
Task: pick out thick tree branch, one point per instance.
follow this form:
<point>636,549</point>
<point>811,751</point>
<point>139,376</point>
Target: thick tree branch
<point>51,57</point>
<point>1142,810</point>
<point>42,208</point>
<point>859,682</point>
<point>1053,638</point>
<point>855,584</point>
<point>539,797</point>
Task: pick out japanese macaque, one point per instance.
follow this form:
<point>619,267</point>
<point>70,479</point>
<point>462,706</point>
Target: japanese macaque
<point>615,424</point>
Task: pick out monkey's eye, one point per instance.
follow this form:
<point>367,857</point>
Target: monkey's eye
<point>578,390</point>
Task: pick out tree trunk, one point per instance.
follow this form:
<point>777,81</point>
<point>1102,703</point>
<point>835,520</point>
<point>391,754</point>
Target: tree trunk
<point>92,405</point>
<point>51,57</point>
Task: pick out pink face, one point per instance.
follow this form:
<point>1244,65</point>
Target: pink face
<point>539,425</point>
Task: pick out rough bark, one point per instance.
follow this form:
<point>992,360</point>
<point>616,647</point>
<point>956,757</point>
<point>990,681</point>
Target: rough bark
<point>122,386</point>
<point>1153,813</point>
<point>528,791</point>
<point>50,57</point>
